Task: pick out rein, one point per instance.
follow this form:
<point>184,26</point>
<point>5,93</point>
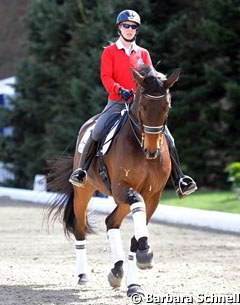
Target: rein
<point>132,124</point>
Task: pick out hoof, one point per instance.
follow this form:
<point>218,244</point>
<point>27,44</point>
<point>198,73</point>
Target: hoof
<point>115,280</point>
<point>135,289</point>
<point>83,279</point>
<point>144,259</point>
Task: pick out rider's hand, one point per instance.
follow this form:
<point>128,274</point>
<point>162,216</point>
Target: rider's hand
<point>125,94</point>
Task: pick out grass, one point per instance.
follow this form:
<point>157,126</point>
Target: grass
<point>224,201</point>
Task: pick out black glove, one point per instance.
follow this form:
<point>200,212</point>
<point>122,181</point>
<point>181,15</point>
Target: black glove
<point>125,94</point>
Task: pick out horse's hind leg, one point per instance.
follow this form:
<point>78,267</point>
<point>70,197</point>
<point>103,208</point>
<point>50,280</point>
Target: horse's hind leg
<point>81,200</point>
<point>113,223</point>
<point>132,281</point>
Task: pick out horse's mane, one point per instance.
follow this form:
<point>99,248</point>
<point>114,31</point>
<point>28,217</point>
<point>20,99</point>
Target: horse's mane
<point>153,80</point>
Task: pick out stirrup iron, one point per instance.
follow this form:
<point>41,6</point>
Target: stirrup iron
<point>192,187</point>
<point>74,179</point>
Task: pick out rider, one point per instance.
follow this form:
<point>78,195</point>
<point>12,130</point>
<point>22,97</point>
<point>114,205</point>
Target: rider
<point>116,61</point>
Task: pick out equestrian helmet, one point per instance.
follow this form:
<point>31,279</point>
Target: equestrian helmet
<point>128,15</point>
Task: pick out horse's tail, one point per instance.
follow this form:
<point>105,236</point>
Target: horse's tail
<point>61,203</point>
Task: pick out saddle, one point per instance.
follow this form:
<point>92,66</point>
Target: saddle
<point>112,128</point>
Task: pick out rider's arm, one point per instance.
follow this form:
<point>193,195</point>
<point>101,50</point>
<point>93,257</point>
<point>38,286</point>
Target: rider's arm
<point>107,72</point>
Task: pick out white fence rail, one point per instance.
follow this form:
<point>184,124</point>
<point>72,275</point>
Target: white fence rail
<point>226,222</point>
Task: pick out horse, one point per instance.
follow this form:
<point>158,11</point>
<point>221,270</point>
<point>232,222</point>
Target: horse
<point>138,165</point>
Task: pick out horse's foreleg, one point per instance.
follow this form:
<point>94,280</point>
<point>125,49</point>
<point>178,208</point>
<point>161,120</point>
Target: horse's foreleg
<point>113,222</point>
<point>144,255</point>
<point>81,199</point>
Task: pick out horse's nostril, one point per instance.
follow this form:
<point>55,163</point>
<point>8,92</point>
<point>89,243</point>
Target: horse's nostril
<point>150,154</point>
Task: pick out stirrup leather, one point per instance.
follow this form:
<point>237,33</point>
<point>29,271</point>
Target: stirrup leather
<point>190,184</point>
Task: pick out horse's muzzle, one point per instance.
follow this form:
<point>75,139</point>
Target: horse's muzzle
<point>152,155</point>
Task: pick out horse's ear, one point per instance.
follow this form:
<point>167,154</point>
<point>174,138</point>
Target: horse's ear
<point>172,78</point>
<point>137,77</point>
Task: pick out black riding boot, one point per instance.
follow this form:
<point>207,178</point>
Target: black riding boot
<point>184,185</point>
<point>78,176</point>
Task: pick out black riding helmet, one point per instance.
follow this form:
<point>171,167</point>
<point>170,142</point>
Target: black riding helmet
<point>128,15</point>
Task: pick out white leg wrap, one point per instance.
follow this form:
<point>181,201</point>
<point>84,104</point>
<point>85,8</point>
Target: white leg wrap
<point>139,219</point>
<point>132,271</point>
<point>115,241</point>
<point>81,257</point>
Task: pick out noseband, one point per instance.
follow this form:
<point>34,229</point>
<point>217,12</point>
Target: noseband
<point>153,129</point>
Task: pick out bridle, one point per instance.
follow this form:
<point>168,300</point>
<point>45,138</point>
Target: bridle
<point>152,87</point>
<point>153,129</point>
<point>145,128</point>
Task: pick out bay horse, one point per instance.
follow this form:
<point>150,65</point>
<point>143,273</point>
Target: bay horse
<point>138,165</point>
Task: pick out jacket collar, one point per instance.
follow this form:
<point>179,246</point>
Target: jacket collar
<point>121,46</point>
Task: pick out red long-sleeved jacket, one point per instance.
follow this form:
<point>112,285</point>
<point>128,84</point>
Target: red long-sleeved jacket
<point>115,68</point>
